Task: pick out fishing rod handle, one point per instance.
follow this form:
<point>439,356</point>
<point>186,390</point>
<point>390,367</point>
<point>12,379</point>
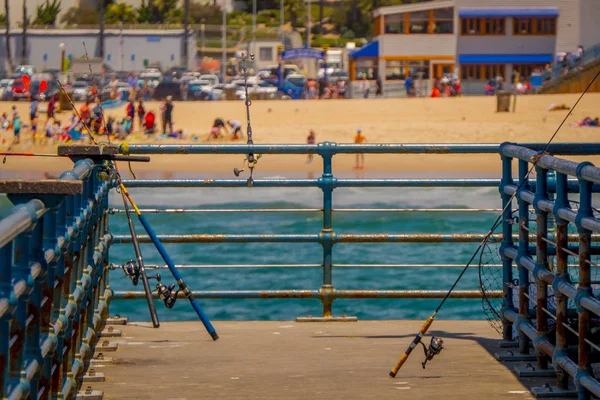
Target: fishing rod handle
<point>411,347</point>
<point>167,259</point>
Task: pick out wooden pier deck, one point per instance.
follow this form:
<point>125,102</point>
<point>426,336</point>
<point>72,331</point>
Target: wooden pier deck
<point>289,360</point>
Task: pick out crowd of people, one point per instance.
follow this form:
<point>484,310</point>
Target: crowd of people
<point>325,89</point>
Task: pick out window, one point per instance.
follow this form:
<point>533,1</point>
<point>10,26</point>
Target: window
<point>265,53</point>
<point>394,23</point>
<point>395,70</point>
<point>443,20</point>
<point>483,26</point>
<point>366,67</point>
<point>546,26</point>
<point>495,26</point>
<point>481,71</point>
<point>418,22</point>
<point>534,26</point>
<point>416,68</point>
<point>526,70</point>
<point>471,26</point>
<point>522,26</point>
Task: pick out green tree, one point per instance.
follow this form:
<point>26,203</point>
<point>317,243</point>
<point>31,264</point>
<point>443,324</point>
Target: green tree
<point>209,13</point>
<point>47,12</point>
<point>82,15</point>
<point>120,12</point>
<point>294,8</point>
<point>2,18</point>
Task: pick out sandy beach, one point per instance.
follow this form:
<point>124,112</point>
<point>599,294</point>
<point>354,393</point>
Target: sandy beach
<point>446,120</point>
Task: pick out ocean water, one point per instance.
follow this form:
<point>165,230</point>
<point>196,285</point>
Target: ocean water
<point>281,253</point>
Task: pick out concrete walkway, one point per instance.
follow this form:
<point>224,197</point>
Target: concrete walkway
<point>289,360</point>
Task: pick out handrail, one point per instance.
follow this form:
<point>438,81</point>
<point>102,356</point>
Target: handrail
<point>534,265</point>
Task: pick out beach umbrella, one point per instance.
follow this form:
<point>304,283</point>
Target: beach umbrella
<point>26,80</point>
<point>43,86</point>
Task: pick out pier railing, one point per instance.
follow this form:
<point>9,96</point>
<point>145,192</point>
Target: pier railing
<point>326,237</point>
<point>54,267</point>
<point>558,327</point>
<point>54,291</point>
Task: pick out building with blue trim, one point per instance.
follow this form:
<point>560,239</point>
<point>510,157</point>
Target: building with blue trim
<point>474,39</point>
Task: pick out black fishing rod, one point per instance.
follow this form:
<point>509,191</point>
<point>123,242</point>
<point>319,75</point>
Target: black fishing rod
<point>136,269</point>
<point>436,345</point>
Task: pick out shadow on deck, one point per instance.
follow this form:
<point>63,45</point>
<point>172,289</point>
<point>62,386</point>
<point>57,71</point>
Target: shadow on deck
<point>289,360</point>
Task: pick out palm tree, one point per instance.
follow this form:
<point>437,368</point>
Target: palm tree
<point>8,53</point>
<point>25,21</point>
<point>321,7</point>
<point>293,7</point>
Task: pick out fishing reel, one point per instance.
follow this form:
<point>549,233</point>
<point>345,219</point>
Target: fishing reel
<point>167,294</point>
<point>435,347</point>
<point>106,173</point>
<point>133,271</point>
<point>249,163</point>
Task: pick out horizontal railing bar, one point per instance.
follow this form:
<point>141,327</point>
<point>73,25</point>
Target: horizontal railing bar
<point>297,210</point>
<point>315,294</point>
<point>257,266</point>
<point>335,238</point>
<point>329,148</point>
<point>232,183</point>
<point>20,219</point>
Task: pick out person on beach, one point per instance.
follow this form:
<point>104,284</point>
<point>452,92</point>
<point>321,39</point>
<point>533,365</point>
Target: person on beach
<point>14,112</point>
<point>215,131</point>
<point>359,138</point>
<point>141,113</point>
<point>131,112</point>
<point>168,115</point>
<point>365,87</point>
<point>33,109</point>
<point>236,128</point>
<point>51,107</point>
<point>378,87</point>
<point>17,128</point>
<point>4,121</point>
<point>311,139</point>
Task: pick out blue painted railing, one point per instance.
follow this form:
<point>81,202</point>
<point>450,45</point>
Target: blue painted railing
<point>54,291</point>
<point>326,237</point>
<point>535,281</point>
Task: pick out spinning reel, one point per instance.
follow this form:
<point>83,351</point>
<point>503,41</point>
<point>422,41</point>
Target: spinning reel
<point>133,271</point>
<point>435,347</point>
<point>107,173</point>
<point>167,294</point>
<point>251,159</point>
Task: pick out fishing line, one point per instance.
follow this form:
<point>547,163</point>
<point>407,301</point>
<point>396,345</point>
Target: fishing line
<point>535,160</point>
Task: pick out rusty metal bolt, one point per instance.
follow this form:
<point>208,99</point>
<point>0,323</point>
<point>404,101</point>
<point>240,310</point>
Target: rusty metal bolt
<point>88,390</point>
<point>100,356</point>
<point>92,372</point>
<point>110,329</point>
<point>105,343</point>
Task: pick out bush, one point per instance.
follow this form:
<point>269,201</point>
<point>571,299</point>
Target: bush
<point>349,34</point>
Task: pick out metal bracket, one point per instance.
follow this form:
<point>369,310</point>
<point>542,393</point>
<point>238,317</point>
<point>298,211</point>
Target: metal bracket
<point>117,320</point>
<point>93,376</point>
<point>509,356</point>
<point>110,332</point>
<point>531,371</point>
<point>106,346</point>
<point>548,391</point>
<point>343,318</point>
<point>90,394</point>
<point>101,360</point>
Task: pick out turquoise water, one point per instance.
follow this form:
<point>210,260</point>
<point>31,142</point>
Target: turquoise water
<point>309,278</point>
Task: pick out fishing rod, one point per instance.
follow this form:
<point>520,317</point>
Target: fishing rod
<point>251,159</point>
<point>134,270</point>
<point>112,157</point>
<point>436,345</point>
<point>167,294</point>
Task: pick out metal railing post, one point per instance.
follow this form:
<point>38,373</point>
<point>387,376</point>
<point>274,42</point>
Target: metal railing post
<point>5,290</point>
<point>584,287</point>
<point>562,274</point>
<point>523,251</point>
<point>541,194</point>
<point>507,242</point>
<point>327,184</point>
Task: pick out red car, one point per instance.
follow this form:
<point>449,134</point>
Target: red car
<point>18,90</point>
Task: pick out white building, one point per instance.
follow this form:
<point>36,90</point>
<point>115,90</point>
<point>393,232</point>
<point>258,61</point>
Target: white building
<point>476,39</point>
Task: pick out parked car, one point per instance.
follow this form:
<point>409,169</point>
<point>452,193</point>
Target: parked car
<point>25,70</point>
<point>218,92</point>
<point>199,90</point>
<point>175,72</point>
<point>18,90</point>
<point>52,89</point>
<point>338,74</point>
<point>168,88</point>
<point>293,85</point>
<point>81,90</point>
<point>5,88</point>
<point>105,93</point>
<point>213,79</point>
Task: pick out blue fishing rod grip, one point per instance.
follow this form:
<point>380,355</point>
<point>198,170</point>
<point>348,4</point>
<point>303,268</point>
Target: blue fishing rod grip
<point>165,256</point>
